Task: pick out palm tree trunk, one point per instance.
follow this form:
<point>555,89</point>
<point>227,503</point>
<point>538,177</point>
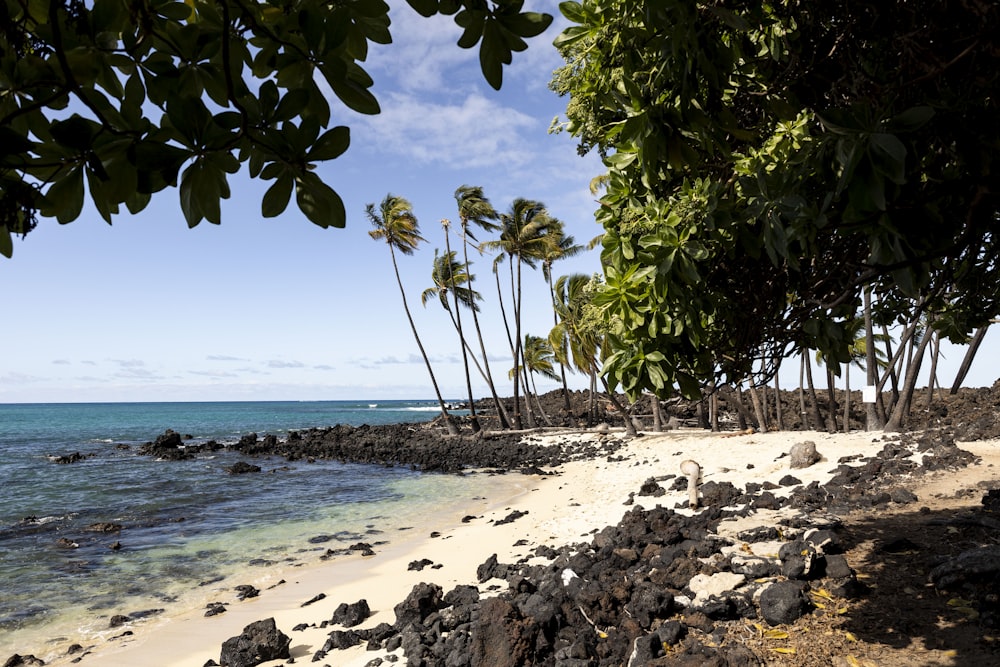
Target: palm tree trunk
<point>873,417</point>
<point>448,422</point>
<point>932,380</point>
<point>538,403</point>
<point>497,404</point>
<point>735,400</point>
<point>891,372</point>
<point>831,422</point>
<point>902,408</point>
<point>713,407</point>
<point>817,417</point>
<point>473,419</point>
<point>802,394</point>
<point>970,354</point>
<point>847,399</point>
<point>758,408</point>
<point>778,415</point>
<point>519,351</point>
<point>562,369</point>
<point>510,339</point>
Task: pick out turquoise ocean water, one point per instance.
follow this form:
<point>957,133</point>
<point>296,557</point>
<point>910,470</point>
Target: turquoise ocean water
<point>186,525</point>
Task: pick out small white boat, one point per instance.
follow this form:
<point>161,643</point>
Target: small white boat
<point>373,405</point>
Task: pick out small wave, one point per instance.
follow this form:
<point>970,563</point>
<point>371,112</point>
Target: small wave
<point>429,408</point>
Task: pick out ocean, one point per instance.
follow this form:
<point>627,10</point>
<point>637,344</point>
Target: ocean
<point>187,528</point>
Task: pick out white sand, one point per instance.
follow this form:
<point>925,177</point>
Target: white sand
<point>564,509</point>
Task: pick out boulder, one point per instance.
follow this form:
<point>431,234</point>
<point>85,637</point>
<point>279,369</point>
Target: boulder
<point>349,615</point>
<point>782,602</point>
<point>803,454</point>
<point>259,642</point>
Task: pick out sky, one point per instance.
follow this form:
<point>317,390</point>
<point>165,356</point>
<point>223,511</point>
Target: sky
<point>279,309</point>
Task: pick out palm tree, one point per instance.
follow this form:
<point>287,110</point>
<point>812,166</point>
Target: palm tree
<point>395,223</point>
<point>561,247</point>
<point>522,241</point>
<point>475,209</point>
<point>450,277</point>
<point>538,358</point>
<point>574,339</point>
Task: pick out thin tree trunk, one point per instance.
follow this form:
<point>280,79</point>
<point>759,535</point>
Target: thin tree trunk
<point>448,422</point>
<point>778,415</point>
<point>629,426</point>
<point>484,373</point>
<point>510,339</point>
<point>970,354</point>
<point>847,398</point>
<point>873,419</point>
<point>758,409</point>
<point>802,394</point>
<point>891,369</point>
<point>555,323</point>
<point>932,379</point>
<point>497,403</point>
<point>541,410</point>
<point>473,419</point>
<point>817,417</point>
<point>735,399</point>
<point>713,407</point>
<point>831,422</point>
<point>592,403</point>
<point>902,408</point>
<point>654,404</point>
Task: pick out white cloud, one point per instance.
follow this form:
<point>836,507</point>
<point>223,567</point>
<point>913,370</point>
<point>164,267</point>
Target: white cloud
<point>477,132</point>
<point>278,363</point>
<point>223,357</point>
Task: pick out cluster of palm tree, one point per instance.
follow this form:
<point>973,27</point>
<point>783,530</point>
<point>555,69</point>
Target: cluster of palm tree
<point>527,236</point>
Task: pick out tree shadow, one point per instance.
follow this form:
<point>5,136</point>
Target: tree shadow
<point>894,555</point>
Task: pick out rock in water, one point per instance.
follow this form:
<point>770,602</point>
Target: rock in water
<point>804,454</point>
<point>260,641</point>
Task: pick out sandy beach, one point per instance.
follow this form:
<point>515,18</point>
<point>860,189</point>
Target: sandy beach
<point>517,514</point>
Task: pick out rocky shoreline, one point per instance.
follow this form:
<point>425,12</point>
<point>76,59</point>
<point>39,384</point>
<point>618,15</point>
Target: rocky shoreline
<point>731,584</point>
<point>666,588</point>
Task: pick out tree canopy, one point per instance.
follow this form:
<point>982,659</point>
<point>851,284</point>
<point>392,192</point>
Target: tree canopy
<point>120,99</point>
<point>768,162</point>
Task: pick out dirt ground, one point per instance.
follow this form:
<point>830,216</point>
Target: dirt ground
<point>903,620</point>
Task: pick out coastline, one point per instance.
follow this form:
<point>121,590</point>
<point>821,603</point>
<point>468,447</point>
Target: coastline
<point>567,507</point>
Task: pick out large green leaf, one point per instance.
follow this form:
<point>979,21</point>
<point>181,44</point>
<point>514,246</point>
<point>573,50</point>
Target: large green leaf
<point>276,198</point>
<point>331,144</point>
<point>319,202</point>
<point>64,198</point>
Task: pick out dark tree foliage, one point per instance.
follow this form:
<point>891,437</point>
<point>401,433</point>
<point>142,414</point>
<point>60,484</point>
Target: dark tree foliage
<point>116,100</point>
<point>769,161</point>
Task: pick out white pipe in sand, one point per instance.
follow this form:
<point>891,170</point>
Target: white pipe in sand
<point>693,473</point>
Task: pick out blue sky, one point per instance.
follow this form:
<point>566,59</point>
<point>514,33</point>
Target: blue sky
<point>279,309</point>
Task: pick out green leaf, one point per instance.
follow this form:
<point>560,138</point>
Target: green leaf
<point>572,11</point>
<point>319,202</point>
<point>424,7</point>
<point>74,132</point>
<point>331,144</point>
<point>64,198</point>
<point>889,156</point>
<point>277,197</point>
<point>912,119</point>
<point>6,243</point>
<point>493,53</point>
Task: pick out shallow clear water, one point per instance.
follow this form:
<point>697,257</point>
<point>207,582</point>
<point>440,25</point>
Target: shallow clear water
<point>184,525</point>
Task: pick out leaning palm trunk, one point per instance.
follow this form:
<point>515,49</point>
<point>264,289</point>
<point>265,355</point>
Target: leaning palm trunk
<point>538,402</point>
<point>970,354</point>
<point>817,417</point>
<point>448,421</point>
<point>757,408</point>
<point>562,367</point>
<point>473,419</point>
<point>488,376</point>
<point>902,408</point>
